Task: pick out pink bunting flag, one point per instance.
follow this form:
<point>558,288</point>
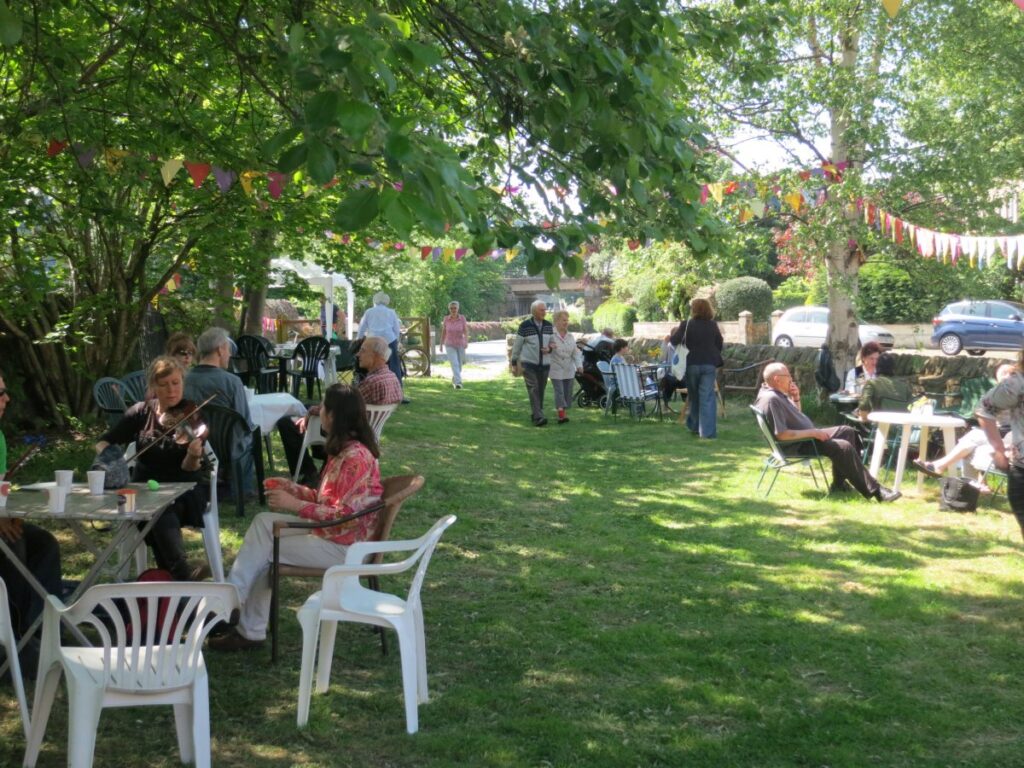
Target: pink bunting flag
<point>460,253</point>
<point>84,155</point>
<point>198,172</point>
<point>1020,4</point>
<point>275,183</point>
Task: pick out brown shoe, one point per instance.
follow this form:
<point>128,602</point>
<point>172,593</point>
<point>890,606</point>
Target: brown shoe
<point>233,641</point>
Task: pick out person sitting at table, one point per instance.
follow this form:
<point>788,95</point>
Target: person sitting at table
<point>38,551</point>
<point>181,346</point>
<point>350,483</point>
<point>175,457</point>
<point>858,375</point>
<point>883,387</point>
<point>779,401</point>
<point>379,386</point>
<point>974,444</point>
<point>380,320</point>
<point>210,377</point>
<point>620,348</point>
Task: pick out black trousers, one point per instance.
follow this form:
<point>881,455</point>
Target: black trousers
<point>40,553</point>
<point>291,439</point>
<point>1015,493</point>
<point>844,448</point>
<point>165,539</point>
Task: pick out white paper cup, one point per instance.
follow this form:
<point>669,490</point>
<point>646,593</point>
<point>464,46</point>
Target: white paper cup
<point>96,479</point>
<point>58,496</point>
<point>5,488</point>
<point>64,477</point>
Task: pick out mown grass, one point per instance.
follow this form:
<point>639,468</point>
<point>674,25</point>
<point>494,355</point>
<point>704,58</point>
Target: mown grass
<point>618,594</point>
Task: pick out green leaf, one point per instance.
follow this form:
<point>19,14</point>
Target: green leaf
<point>552,275</point>
<point>320,161</point>
<point>398,148</point>
<point>296,34</point>
<point>426,55</point>
<point>639,190</point>
<point>428,216</point>
<point>293,159</point>
<point>362,167</point>
<point>573,267</point>
<point>356,117</point>
<point>322,110</point>
<point>402,25</point>
<point>10,26</point>
<point>398,215</point>
<point>274,146</point>
<point>482,243</point>
<point>357,210</point>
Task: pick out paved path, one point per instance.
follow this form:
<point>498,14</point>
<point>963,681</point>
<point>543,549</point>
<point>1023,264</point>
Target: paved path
<point>484,360</point>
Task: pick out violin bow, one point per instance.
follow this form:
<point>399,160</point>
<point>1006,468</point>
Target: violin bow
<point>22,460</point>
<point>173,427</point>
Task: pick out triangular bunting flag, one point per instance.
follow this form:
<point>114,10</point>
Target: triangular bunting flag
<point>198,172</point>
<point>246,180</point>
<point>225,179</point>
<point>275,183</point>
<point>170,169</point>
<point>892,7</point>
<point>55,147</point>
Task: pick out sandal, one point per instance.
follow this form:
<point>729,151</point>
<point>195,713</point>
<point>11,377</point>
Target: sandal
<point>927,467</point>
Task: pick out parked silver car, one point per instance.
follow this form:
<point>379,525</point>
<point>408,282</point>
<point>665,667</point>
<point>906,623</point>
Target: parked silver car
<point>808,326</point>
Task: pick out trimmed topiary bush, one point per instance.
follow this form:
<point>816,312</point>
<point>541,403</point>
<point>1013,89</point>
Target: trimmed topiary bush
<point>744,293</point>
<point>615,315</point>
<point>793,292</point>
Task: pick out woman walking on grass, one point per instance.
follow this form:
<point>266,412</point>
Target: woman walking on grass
<point>566,360</point>
<point>454,339</point>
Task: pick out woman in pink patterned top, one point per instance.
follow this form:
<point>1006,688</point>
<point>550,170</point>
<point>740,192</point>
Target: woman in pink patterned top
<point>350,482</point>
<point>454,339</point>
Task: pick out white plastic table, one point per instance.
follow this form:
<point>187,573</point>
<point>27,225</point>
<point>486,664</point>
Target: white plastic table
<point>925,422</point>
<point>267,409</point>
<point>30,503</point>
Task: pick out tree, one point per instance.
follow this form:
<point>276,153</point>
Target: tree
<point>848,86</point>
<point>398,118</point>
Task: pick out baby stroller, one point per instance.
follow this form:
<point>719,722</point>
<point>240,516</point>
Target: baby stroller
<point>591,383</point>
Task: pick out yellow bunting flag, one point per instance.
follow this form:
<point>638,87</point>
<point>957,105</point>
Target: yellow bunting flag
<point>113,158</point>
<point>746,215</point>
<point>511,254</point>
<point>717,190</point>
<point>794,200</point>
<point>170,169</point>
<point>246,180</point>
<point>892,7</point>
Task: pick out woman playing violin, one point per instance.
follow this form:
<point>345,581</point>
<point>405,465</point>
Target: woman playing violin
<point>173,457</point>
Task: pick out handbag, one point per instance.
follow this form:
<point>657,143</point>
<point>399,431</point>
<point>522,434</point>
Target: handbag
<point>957,495</point>
<point>679,358</point>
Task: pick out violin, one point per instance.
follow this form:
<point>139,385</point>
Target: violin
<point>183,422</point>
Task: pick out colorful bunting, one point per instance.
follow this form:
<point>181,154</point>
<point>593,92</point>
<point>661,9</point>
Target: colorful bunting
<point>198,172</point>
<point>892,7</point>
<point>170,169</point>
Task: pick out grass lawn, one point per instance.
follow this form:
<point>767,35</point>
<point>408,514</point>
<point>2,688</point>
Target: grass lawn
<point>618,594</point>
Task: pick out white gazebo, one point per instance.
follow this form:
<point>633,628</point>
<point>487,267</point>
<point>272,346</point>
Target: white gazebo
<point>327,281</point>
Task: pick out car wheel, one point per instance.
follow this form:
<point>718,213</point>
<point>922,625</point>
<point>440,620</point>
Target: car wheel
<point>951,344</point>
<point>976,352</point>
<point>783,341</point>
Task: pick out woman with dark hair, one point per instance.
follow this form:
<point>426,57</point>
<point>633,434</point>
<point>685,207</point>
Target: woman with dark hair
<point>177,457</point>
<point>350,482</point>
<point>883,392</point>
<point>703,341</point>
<point>868,368</point>
<point>181,347</point>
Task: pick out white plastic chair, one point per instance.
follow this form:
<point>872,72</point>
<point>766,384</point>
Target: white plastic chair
<point>11,647</point>
<point>211,528</point>
<point>311,437</point>
<point>377,415</point>
<point>344,598</point>
<point>147,663</point>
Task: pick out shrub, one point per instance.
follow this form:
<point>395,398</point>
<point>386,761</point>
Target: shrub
<point>793,292</point>
<point>744,293</point>
<point>615,315</point>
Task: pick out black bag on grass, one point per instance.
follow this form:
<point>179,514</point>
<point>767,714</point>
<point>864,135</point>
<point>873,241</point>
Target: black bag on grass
<point>957,495</point>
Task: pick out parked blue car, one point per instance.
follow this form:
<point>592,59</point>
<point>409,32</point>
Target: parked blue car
<point>979,325</point>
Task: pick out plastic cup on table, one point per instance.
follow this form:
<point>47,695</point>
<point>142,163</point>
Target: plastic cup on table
<point>126,500</point>
<point>97,477</point>
<point>64,478</point>
<point>57,497</point>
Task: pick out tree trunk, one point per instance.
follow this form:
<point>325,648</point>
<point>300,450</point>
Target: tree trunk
<point>256,294</point>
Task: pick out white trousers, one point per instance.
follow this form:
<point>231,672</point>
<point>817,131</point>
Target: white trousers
<point>251,570</point>
<point>457,357</point>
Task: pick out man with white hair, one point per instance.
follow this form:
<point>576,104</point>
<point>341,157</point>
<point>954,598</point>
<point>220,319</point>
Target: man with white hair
<point>530,352</point>
<point>380,320</point>
<point>779,401</point>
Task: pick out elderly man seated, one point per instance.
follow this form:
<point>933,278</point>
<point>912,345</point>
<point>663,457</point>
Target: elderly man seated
<point>379,386</point>
<point>779,400</point>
